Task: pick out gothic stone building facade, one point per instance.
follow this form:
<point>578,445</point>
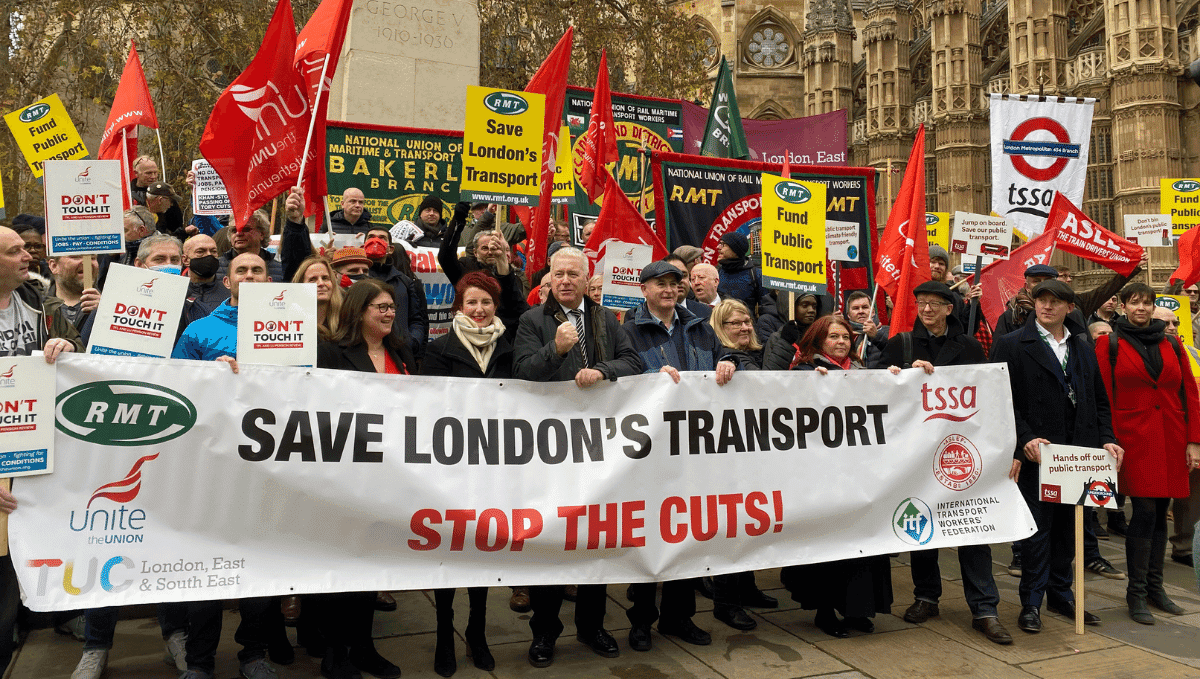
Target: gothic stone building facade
<point>894,64</point>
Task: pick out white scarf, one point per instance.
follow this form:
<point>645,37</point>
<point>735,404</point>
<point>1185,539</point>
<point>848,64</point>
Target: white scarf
<point>481,342</point>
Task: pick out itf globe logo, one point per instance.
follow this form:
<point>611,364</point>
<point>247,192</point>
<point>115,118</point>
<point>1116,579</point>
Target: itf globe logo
<point>913,522</point>
<point>957,464</point>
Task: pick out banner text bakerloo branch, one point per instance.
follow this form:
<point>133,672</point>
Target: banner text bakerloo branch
<point>304,480</point>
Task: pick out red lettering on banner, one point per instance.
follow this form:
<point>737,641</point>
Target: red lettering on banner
<point>419,526</point>
<point>672,534</point>
<point>458,519</point>
<point>572,514</point>
<point>481,535</point>
<point>761,518</point>
<point>526,525</point>
<point>704,519</point>
<point>493,529</point>
<point>630,523</point>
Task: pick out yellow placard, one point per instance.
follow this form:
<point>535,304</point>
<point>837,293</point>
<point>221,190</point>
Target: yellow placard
<point>937,228</point>
<point>44,131</point>
<point>1180,198</point>
<point>1,196</point>
<point>1182,308</point>
<point>502,146</point>
<point>793,235</point>
<point>564,172</point>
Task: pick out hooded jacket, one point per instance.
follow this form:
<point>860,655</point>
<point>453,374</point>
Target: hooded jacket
<point>274,266</point>
<point>211,337</point>
<point>343,225</point>
<point>741,280</point>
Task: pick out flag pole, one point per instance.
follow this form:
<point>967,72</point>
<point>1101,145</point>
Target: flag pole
<point>161,159</point>
<point>124,172</point>
<point>312,121</point>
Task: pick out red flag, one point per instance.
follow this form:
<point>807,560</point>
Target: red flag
<point>320,40</point>
<point>620,222</point>
<point>787,165</point>
<point>598,147</point>
<point>1080,235</point>
<point>1189,258</point>
<point>550,80</point>
<point>1002,279</point>
<point>255,134</point>
<point>131,107</point>
<point>904,249</point>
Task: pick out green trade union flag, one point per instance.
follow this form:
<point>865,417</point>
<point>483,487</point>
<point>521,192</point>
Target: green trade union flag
<point>723,133</point>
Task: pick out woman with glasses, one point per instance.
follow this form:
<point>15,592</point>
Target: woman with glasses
<point>1156,415</point>
<point>735,329</point>
<point>365,343</point>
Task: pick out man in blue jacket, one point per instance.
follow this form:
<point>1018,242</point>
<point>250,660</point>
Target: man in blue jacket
<point>214,337</point>
<point>669,338</point>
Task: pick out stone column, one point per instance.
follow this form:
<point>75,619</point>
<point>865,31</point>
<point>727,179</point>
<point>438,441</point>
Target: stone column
<point>889,125</point>
<point>1037,45</point>
<point>959,109</point>
<point>828,59</point>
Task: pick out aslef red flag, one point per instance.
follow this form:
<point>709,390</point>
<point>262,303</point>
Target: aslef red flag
<point>598,146</point>
<point>318,48</point>
<point>550,80</point>
<point>1002,279</point>
<point>1189,258</point>
<point>620,222</point>
<point>904,249</point>
<point>1079,235</point>
<point>255,135</point>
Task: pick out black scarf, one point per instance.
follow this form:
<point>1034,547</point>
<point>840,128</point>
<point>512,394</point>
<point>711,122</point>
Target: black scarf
<point>1144,340</point>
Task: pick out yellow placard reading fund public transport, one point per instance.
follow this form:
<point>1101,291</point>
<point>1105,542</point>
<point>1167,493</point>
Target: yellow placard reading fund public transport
<point>502,146</point>
<point>44,131</point>
<point>793,235</point>
<point>1180,198</point>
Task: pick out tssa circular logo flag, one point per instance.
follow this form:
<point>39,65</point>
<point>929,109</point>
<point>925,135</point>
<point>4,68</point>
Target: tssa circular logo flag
<point>124,413</point>
<point>913,521</point>
<point>505,103</point>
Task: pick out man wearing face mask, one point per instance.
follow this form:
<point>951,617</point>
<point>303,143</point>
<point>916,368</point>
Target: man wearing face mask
<point>200,258</point>
<point>249,239</point>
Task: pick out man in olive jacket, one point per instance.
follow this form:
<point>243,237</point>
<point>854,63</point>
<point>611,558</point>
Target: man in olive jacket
<point>570,337</point>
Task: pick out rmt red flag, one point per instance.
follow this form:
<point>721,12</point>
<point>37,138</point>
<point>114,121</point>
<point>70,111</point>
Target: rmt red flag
<point>1080,235</point>
<point>904,251</point>
<point>255,135</point>
<point>318,48</point>
<point>620,222</point>
<point>550,80</point>
<point>598,146</point>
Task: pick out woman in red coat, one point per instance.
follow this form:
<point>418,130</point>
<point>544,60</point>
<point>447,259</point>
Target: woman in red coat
<point>1156,415</point>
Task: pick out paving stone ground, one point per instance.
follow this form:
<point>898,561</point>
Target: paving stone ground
<point>785,645</point>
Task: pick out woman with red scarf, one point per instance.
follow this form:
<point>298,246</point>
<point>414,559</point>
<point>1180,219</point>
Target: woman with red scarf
<point>858,588</point>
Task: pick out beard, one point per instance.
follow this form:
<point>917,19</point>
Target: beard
<point>72,284</point>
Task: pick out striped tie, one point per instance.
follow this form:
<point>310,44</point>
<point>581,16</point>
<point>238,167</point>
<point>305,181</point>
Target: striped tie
<point>577,318</point>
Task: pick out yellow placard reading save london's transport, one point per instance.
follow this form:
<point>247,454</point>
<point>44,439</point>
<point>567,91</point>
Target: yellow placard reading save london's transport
<point>1180,198</point>
<point>564,172</point>
<point>44,131</point>
<point>502,146</point>
<point>793,235</point>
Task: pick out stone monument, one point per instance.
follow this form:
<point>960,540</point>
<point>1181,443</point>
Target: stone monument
<point>407,63</point>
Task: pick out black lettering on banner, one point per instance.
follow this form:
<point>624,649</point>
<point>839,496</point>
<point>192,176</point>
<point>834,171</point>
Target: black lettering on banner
<point>731,433</point>
<point>831,427</point>
<point>630,432</point>
<point>786,438</point>
<point>806,423</point>
<point>700,423</point>
<point>757,430</point>
<point>440,454</point>
<point>584,441</point>
<point>514,454</point>
<point>297,424</point>
<point>856,418</point>
<point>333,446</point>
<point>488,442</point>
<point>673,418</point>
<point>411,456</point>
<point>877,412</point>
<point>559,454</point>
<point>364,436</point>
<point>266,442</point>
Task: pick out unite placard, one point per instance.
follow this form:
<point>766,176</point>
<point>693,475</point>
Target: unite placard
<point>83,207</point>
<point>793,235</point>
<point>502,146</point>
<point>44,131</point>
<point>277,323</point>
<point>139,313</point>
<point>27,423</point>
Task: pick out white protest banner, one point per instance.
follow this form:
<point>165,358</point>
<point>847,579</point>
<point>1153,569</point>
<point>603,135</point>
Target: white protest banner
<point>83,207</point>
<point>277,323</point>
<point>621,275</point>
<point>208,195</point>
<point>289,480</point>
<point>439,293</point>
<point>1072,475</point>
<point>138,313</point>
<point>976,235</point>
<point>26,416</point>
<point>1149,230</point>
<point>841,240</point>
<point>1038,148</point>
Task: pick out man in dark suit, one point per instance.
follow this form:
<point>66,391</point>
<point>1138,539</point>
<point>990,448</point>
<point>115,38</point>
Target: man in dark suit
<point>1058,397</point>
<point>938,339</point>
<point>570,337</point>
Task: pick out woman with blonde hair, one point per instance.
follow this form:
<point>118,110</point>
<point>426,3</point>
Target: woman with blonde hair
<point>329,295</point>
<point>734,326</point>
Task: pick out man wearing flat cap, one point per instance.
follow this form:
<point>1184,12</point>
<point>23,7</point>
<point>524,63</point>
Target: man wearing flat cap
<point>162,200</point>
<point>938,338</point>
<point>1017,310</point>
<point>1058,397</point>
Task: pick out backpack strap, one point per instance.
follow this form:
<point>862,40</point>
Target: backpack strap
<point>906,344</point>
<point>1112,365</point>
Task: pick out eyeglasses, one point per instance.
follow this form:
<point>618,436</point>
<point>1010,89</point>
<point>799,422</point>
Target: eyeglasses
<point>930,305</point>
<point>385,308</point>
<point>1192,293</point>
<point>742,322</point>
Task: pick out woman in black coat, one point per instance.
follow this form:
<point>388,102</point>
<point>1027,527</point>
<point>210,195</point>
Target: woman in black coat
<point>477,345</point>
<point>365,343</point>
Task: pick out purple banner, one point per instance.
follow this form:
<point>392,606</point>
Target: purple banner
<point>815,140</point>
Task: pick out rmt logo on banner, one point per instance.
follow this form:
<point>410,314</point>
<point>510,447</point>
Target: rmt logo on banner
<point>1029,140</point>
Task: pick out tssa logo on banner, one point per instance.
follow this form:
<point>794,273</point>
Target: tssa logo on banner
<point>948,403</point>
<point>124,413</point>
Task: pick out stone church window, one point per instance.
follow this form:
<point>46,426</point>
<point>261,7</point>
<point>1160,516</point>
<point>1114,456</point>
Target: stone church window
<point>769,47</point>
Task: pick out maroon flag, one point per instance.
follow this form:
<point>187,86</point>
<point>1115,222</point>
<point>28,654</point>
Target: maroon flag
<point>318,48</point>
<point>620,222</point>
<point>598,147</point>
<point>1079,235</point>
<point>904,250</point>
<point>255,135</point>
<point>1002,279</point>
<point>550,80</point>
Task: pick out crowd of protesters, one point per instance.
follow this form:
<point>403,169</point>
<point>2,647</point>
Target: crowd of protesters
<point>1096,369</point>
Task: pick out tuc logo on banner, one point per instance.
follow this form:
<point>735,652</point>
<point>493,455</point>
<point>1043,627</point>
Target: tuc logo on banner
<point>1038,148</point>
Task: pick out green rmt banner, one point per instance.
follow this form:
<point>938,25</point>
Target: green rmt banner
<point>723,133</point>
